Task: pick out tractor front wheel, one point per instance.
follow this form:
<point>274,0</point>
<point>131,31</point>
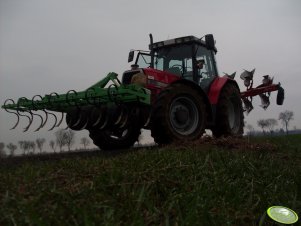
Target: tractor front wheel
<point>178,115</point>
<point>229,113</point>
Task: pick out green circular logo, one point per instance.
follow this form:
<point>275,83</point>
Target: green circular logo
<point>282,215</point>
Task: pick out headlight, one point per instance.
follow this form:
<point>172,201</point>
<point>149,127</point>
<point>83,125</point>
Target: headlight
<point>139,79</point>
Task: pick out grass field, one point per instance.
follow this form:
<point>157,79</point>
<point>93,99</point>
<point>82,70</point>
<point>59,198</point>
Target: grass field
<point>224,182</point>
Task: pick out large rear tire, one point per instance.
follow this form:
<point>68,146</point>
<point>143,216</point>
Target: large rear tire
<point>229,113</point>
<point>178,115</point>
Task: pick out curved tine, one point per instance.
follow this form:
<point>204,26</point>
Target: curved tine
<point>147,121</point>
<point>61,120</point>
<point>50,97</point>
<point>85,125</point>
<point>18,117</point>
<point>46,118</point>
<point>105,122</point>
<point>30,118</point>
<point>79,118</point>
<point>121,114</point>
<point>68,100</point>
<point>98,119</point>
<point>34,106</point>
<point>55,118</point>
<point>87,97</point>
<point>42,121</point>
<point>30,122</point>
<point>125,119</point>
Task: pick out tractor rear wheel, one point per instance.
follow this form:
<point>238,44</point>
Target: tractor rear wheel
<point>178,115</point>
<point>229,113</point>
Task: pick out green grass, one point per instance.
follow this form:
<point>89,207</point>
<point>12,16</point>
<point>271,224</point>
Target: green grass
<point>194,184</point>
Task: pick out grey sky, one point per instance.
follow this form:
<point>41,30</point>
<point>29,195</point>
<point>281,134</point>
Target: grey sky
<point>58,45</point>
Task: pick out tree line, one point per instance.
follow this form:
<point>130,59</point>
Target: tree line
<point>63,138</point>
<point>270,123</point>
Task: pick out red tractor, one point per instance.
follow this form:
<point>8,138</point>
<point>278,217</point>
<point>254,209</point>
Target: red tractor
<point>187,95</point>
<point>173,90</point>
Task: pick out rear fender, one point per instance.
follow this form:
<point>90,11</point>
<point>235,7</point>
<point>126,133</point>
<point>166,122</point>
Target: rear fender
<point>215,90</point>
<point>217,86</point>
<point>202,93</point>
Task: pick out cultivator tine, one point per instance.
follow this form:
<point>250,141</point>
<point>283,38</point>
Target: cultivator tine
<point>46,118</point>
<point>18,117</point>
<point>78,118</point>
<point>98,118</point>
<point>90,95</point>
<point>42,120</point>
<point>121,114</point>
<point>61,120</point>
<point>105,122</point>
<point>50,97</point>
<point>55,118</point>
<point>36,108</point>
<point>73,98</point>
<point>124,118</point>
<point>30,118</point>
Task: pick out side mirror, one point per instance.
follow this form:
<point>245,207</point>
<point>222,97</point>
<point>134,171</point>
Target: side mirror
<point>131,56</point>
<point>210,41</point>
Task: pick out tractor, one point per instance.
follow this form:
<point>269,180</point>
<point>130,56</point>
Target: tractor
<point>173,90</point>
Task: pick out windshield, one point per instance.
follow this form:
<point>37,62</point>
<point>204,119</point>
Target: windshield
<point>176,59</point>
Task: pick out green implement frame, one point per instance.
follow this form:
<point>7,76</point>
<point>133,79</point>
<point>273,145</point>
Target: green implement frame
<point>100,93</point>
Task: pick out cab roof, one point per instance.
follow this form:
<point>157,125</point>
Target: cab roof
<point>177,41</point>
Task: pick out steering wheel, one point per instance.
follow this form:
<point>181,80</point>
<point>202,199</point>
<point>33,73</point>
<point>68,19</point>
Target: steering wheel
<point>178,66</point>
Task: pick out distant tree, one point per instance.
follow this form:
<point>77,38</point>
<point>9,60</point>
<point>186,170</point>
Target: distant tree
<point>60,138</point>
<point>85,142</point>
<point>32,145</point>
<point>11,147</point>
<point>281,131</point>
<point>40,143</point>
<point>25,146</point>
<point>285,118</point>
<point>262,123</point>
<point>70,138</point>
<point>271,123</point>
<point>2,152</point>
<point>2,145</point>
<point>52,145</point>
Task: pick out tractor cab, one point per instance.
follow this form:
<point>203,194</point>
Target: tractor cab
<point>187,57</point>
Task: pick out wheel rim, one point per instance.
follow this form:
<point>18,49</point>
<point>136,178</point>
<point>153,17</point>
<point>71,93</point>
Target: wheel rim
<point>233,115</point>
<point>184,115</point>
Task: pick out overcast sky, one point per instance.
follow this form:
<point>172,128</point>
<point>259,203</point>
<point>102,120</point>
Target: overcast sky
<point>57,45</point>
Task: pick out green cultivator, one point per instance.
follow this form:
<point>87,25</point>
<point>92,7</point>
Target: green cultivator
<point>102,105</point>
